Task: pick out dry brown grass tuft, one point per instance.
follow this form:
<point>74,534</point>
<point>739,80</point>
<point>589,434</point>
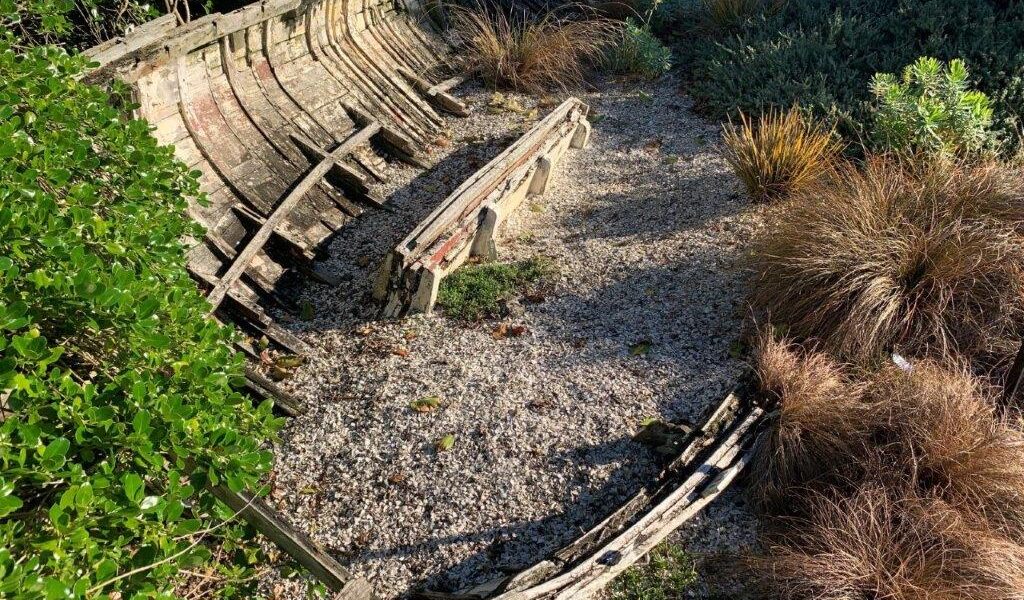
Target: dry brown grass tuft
<point>520,53</point>
<point>947,434</point>
<point>879,544</point>
<point>924,259</point>
<point>819,423</point>
<point>780,154</point>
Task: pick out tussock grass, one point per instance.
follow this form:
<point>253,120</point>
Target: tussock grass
<point>779,154</point>
<point>891,544</point>
<point>820,420</point>
<point>516,52</point>
<point>926,259</point>
<point>948,437</point>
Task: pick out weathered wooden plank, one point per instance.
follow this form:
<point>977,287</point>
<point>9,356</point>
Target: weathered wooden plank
<point>304,550</point>
<point>216,296</point>
<point>408,280</point>
<point>264,389</point>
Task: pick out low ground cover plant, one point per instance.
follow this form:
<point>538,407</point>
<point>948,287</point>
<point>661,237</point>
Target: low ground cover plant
<point>118,392</point>
<point>930,109</point>
<point>477,291</point>
<point>924,258</point>
<point>516,51</point>
<point>668,573</point>
<point>780,153</point>
<point>823,54</point>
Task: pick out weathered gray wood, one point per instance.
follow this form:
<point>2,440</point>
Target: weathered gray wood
<point>355,182</point>
<point>258,385</point>
<point>304,550</point>
<point>589,577</point>
<point>408,280</point>
<point>436,95</point>
<point>255,244</point>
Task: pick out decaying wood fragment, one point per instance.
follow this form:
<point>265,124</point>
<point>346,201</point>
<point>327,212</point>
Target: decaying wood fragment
<point>466,221</point>
<point>714,456</point>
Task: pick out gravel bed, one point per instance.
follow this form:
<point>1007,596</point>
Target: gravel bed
<point>645,226</point>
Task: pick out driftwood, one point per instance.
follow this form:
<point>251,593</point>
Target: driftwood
<point>465,223</point>
<point>713,457</point>
<point>304,550</point>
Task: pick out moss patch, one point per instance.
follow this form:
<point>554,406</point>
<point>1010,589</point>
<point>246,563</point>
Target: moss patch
<point>477,291</point>
<point>665,577</point>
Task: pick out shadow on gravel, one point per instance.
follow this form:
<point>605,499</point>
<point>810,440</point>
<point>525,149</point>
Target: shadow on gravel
<point>649,209</point>
<point>516,546</point>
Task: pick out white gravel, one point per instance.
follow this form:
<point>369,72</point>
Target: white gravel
<point>646,226</point>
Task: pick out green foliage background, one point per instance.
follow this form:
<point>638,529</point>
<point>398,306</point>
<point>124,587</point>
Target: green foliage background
<point>823,53</point>
<point>118,393</point>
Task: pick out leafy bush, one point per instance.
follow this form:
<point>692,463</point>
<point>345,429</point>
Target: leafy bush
<point>532,54</point>
<point>476,291</point>
<point>782,154</point>
<point>119,396</point>
<point>75,24</point>
<point>638,53</point>
<point>931,110</point>
<point>823,53</point>
<point>926,259</point>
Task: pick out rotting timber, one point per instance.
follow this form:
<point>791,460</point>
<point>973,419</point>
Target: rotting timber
<point>290,110</point>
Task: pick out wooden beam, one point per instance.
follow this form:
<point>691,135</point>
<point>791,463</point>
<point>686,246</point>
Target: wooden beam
<point>255,244</point>
<point>304,550</point>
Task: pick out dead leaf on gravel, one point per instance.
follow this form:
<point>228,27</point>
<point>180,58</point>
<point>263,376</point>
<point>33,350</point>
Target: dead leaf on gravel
<point>290,361</point>
<point>365,330</point>
<point>500,332</point>
<point>265,357</point>
<point>397,477</point>
<point>445,444</point>
<point>400,351</point>
<point>640,348</point>
<point>425,404</point>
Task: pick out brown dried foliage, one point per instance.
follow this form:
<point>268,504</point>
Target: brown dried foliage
<point>534,55</point>
<point>880,543</point>
<point>947,435</point>
<point>819,422</point>
<point>924,258</point>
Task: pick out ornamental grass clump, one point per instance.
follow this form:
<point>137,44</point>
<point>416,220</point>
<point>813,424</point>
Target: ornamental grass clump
<point>780,153</point>
<point>924,258</point>
<point>881,543</point>
<point>945,433</point>
<point>819,421</point>
<point>531,54</point>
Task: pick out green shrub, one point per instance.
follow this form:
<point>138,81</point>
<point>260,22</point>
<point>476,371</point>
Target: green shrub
<point>118,392</point>
<point>823,53</point>
<point>476,291</point>
<point>931,110</point>
<point>638,53</point>
<point>75,24</point>
<point>667,574</point>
